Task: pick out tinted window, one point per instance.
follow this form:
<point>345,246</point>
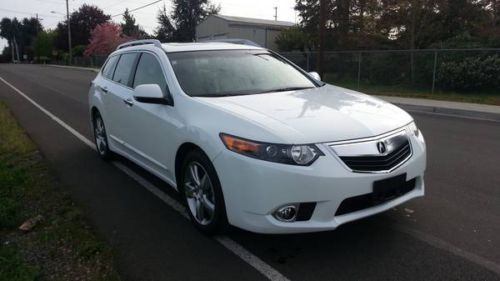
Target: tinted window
<point>235,72</point>
<point>124,68</point>
<point>149,72</point>
<point>108,69</point>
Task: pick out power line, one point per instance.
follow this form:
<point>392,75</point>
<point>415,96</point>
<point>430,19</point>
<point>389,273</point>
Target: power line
<point>138,8</point>
<point>27,13</point>
<point>117,3</point>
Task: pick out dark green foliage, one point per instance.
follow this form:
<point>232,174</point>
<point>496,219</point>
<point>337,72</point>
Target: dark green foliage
<point>21,33</point>
<point>43,45</point>
<point>130,28</point>
<point>471,73</point>
<point>165,30</point>
<point>292,39</point>
<point>188,14</point>
<point>83,21</point>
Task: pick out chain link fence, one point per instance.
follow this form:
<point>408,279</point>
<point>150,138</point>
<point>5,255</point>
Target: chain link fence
<point>429,70</point>
<point>92,61</point>
<point>424,69</point>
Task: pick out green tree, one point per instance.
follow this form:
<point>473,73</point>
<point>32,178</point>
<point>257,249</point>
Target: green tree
<point>188,14</point>
<point>83,21</point>
<point>291,39</point>
<point>43,45</point>
<point>19,34</point>
<point>130,28</point>
<point>165,30</point>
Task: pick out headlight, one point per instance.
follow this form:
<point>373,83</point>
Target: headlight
<point>302,155</point>
<point>414,129</point>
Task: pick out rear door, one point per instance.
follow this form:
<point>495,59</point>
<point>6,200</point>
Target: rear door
<point>102,85</point>
<point>119,98</point>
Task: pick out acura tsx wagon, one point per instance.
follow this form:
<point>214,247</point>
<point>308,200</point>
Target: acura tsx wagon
<point>251,140</point>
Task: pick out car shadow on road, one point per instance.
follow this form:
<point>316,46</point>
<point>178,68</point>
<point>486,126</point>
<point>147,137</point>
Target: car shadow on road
<point>368,249</point>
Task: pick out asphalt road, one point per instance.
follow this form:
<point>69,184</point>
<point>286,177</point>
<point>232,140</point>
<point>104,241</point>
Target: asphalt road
<point>453,233</point>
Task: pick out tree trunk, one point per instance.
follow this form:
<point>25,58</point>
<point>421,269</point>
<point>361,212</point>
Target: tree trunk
<point>362,6</point>
<point>415,5</point>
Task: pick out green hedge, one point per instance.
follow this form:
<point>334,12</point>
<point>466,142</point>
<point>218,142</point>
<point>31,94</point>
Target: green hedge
<point>470,73</point>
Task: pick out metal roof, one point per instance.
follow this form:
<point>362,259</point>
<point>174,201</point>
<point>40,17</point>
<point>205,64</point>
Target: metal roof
<point>253,21</point>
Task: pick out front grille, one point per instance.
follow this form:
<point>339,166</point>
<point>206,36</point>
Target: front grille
<point>379,162</point>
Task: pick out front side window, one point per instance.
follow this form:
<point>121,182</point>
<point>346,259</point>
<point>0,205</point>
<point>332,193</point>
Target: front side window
<point>124,69</point>
<point>109,68</point>
<point>149,72</point>
<point>235,72</point>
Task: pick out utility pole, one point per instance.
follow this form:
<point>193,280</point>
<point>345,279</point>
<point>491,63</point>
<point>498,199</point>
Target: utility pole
<point>69,34</point>
<point>321,43</point>
<point>12,49</point>
<point>276,13</point>
<point>17,49</point>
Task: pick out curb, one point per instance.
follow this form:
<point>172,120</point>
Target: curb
<point>451,111</point>
<point>96,70</point>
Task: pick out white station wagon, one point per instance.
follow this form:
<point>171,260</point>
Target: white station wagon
<point>251,140</point>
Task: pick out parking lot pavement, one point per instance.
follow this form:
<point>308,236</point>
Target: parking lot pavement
<point>452,233</point>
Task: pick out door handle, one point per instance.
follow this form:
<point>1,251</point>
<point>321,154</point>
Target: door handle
<point>128,102</point>
<point>104,89</point>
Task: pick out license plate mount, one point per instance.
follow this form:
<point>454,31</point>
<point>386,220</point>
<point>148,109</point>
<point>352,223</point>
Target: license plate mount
<point>387,189</point>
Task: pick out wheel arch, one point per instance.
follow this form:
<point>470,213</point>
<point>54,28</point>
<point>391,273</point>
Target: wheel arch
<point>182,151</point>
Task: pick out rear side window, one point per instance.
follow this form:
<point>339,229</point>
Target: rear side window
<point>108,69</point>
<point>149,72</point>
<point>124,69</point>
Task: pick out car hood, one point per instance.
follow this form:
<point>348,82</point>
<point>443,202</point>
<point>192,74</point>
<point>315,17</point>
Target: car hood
<point>323,114</point>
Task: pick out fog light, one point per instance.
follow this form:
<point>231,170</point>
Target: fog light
<point>286,213</point>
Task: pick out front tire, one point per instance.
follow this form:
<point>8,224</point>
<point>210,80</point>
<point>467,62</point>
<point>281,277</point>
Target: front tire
<point>101,138</point>
<point>202,193</point>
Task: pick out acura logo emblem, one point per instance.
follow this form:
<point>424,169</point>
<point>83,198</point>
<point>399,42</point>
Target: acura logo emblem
<point>381,147</point>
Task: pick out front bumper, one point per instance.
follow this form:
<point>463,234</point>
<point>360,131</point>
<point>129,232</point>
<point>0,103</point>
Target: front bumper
<point>254,189</point>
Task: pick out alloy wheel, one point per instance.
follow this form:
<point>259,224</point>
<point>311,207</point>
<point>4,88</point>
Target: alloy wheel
<point>100,136</point>
<point>199,193</point>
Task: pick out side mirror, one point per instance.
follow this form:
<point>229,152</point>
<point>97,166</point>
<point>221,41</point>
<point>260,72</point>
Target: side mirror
<point>315,75</point>
<point>150,93</point>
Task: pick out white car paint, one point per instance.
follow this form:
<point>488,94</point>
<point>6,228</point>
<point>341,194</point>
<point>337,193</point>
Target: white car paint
<point>152,134</point>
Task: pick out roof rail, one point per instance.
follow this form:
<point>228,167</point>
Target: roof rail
<point>155,42</point>
<point>233,41</point>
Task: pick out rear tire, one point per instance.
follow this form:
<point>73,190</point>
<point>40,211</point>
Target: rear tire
<point>202,193</point>
<point>101,138</point>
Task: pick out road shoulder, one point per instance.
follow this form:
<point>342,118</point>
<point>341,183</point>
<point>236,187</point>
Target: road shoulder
<point>42,231</point>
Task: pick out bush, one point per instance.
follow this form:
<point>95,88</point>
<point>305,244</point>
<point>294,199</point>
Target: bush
<point>472,73</point>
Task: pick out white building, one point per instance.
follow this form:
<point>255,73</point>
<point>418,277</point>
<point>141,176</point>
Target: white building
<point>260,31</point>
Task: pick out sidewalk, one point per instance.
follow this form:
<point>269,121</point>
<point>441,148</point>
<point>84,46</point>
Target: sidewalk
<point>474,110</point>
<point>74,67</point>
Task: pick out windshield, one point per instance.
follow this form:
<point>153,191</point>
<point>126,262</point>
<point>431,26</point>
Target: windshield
<point>235,72</point>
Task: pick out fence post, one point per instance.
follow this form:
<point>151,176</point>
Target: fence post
<point>359,67</point>
<point>434,71</point>
<point>308,67</point>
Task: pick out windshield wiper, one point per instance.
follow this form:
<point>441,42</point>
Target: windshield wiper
<point>286,89</point>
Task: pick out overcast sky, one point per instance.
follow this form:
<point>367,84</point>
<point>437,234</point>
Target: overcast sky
<point>146,17</point>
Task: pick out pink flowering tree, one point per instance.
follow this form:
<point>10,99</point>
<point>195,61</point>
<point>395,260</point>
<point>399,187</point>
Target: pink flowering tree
<point>105,38</point>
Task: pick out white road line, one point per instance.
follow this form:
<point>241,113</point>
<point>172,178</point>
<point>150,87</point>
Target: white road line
<point>237,249</point>
<point>228,243</point>
<point>52,116</point>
